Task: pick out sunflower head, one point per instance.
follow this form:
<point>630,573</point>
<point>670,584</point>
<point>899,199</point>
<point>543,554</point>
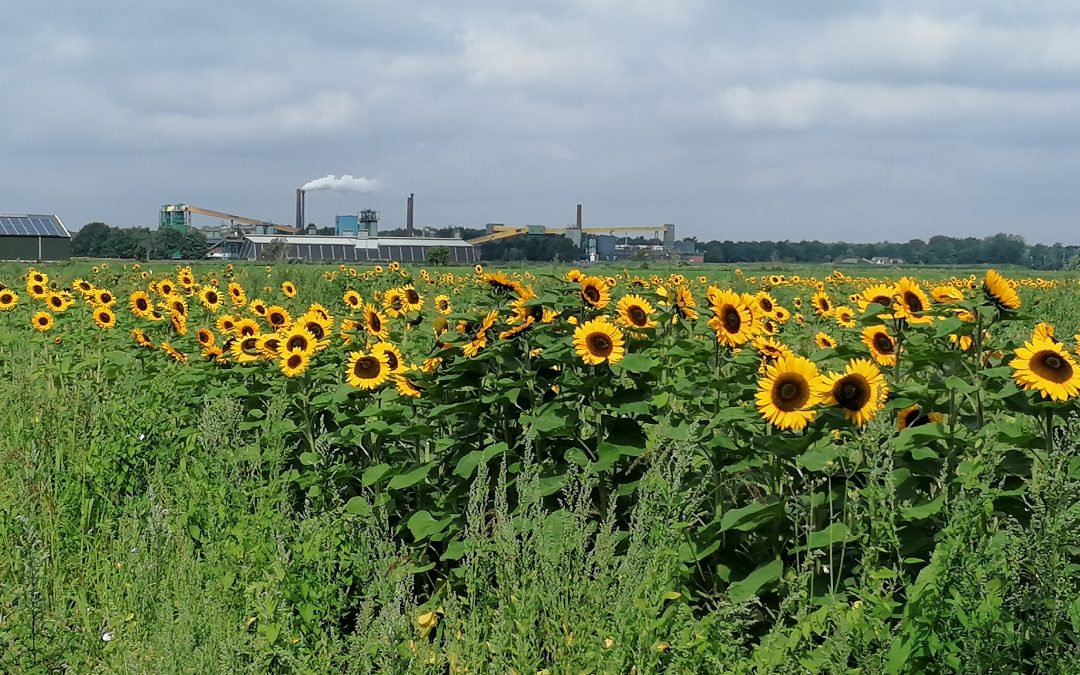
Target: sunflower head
<point>367,371</point>
<point>789,392</point>
<point>1000,292</point>
<point>599,341</point>
<point>595,292</point>
<point>859,391</point>
<point>1043,365</point>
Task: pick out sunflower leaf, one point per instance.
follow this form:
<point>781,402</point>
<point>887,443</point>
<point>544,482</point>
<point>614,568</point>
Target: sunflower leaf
<point>748,586</point>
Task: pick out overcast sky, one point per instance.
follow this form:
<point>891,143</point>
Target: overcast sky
<point>833,119</point>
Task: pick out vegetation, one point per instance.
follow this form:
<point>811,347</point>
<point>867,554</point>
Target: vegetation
<point>252,469</point>
<point>98,240</point>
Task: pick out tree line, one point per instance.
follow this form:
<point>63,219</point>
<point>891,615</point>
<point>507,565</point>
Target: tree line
<point>98,240</point>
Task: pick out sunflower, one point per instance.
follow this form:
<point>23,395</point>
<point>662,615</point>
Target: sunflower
<point>297,338</point>
<point>882,345</point>
<point>414,302</point>
<point>770,349</point>
<point>278,316</point>
<point>258,307</point>
<point>598,341</point>
<point>766,302</point>
<point>859,391</point>
<point>374,322</point>
<point>499,283</point>
<point>844,316</point>
<point>733,319</point>
<point>270,345</point>
<point>294,363</point>
<point>781,314</point>
<point>174,353</point>
<point>210,298</point>
<point>8,300</point>
<point>479,340</point>
<point>179,323</point>
<point>442,304</point>
<point>141,338</point>
<point>237,295</point>
<point>226,323</point>
<point>140,304</point>
<point>824,341</point>
<point>595,292</point>
<point>176,305</point>
<point>104,317</point>
<point>367,371</point>
<point>913,416</point>
<point>947,294</point>
<point>1045,366</point>
<point>683,305</point>
<point>42,321</point>
<point>37,277</point>
<point>405,387</point>
<point>1000,292</point>
<point>352,299</point>
<point>288,288</point>
<point>394,302</point>
<point>822,304</point>
<point>165,287</point>
<point>788,392</point>
<point>246,350</point>
<point>205,337</point>
<point>911,301</point>
<point>634,312</point>
<point>243,328</point>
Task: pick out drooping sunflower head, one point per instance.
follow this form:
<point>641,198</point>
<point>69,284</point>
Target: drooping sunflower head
<point>882,345</point>
<point>367,371</point>
<point>947,293</point>
<point>595,292</point>
<point>859,391</point>
<point>1044,365</point>
<point>599,341</point>
<point>1000,292</point>
<point>500,283</point>
<point>789,392</point>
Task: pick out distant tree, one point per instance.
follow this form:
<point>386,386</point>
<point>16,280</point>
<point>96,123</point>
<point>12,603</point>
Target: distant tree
<point>438,256</point>
<point>326,231</point>
<point>275,250</point>
<point>90,241</point>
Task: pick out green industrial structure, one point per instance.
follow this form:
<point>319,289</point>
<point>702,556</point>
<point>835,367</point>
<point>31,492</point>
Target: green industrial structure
<point>33,237</point>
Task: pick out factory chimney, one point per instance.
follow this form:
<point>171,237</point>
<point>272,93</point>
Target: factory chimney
<point>300,194</point>
<point>409,216</point>
<point>579,216</point>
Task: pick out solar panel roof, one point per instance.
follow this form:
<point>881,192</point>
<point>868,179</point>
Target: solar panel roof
<point>31,226</point>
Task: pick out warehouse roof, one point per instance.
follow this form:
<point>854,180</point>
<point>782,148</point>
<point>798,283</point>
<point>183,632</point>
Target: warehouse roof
<point>31,225</point>
<point>358,242</point>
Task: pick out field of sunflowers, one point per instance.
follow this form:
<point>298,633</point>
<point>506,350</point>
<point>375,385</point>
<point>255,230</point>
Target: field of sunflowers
<point>313,469</point>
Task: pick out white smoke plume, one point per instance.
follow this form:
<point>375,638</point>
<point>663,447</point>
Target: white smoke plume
<point>346,182</point>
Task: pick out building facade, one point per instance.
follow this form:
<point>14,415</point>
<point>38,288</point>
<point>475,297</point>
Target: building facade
<point>312,248</point>
<point>33,237</point>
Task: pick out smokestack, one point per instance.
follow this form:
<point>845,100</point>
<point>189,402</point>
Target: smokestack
<point>579,216</point>
<point>300,208</point>
<point>408,215</point>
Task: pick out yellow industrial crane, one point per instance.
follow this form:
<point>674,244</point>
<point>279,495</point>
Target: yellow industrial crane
<point>177,216</point>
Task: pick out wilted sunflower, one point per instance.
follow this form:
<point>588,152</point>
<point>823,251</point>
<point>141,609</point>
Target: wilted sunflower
<point>595,292</point>
<point>999,291</point>
<point>633,311</point>
<point>288,289</point>
<point>8,300</point>
<point>1045,366</point>
<point>374,323</point>
<point>405,387</point>
<point>882,345</point>
<point>278,316</point>
<point>859,391</point>
<point>210,298</point>
<point>104,317</point>
<point>442,304</point>
<point>788,393</point>
<point>913,416</point>
<point>42,321</point>
<point>599,341</point>
<point>352,299</point>
<point>366,371</point>
<point>237,295</point>
<point>824,341</point>
<point>733,319</point>
<point>294,363</point>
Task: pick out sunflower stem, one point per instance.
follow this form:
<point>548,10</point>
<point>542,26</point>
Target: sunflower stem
<point>1049,432</point>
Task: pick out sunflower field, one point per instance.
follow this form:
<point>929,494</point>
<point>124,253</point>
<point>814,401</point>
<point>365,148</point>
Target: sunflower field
<point>447,470</point>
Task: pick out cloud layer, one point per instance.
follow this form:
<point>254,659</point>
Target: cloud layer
<point>836,119</point>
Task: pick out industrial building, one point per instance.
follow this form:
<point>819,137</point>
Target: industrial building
<point>360,249</point>
<point>33,237</point>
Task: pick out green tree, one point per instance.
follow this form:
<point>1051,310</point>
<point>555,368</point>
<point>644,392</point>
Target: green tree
<point>90,240</point>
<point>438,256</point>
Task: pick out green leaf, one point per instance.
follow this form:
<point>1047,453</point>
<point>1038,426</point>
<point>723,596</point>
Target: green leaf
<point>638,363</point>
<point>751,516</point>
<point>955,383</point>
<point>374,474</point>
<point>404,480</point>
<point>748,587</point>
<point>924,510</point>
<point>467,464</point>
<point>423,525</point>
<point>817,459</point>
<point>833,534</point>
<point>455,551</point>
<point>948,326</point>
<point>358,506</point>
<point>309,458</point>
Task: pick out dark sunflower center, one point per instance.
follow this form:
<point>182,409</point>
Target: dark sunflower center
<point>228,325</point>
<point>913,302</point>
<point>141,304</point>
<point>247,331</point>
<point>823,304</point>
<point>376,325</point>
<point>316,329</point>
<point>250,346</point>
<point>178,308</point>
<point>296,342</point>
<point>766,304</point>
<point>55,302</point>
<point>732,320</point>
<point>273,344</point>
<point>883,343</point>
<point>1049,365</point>
<point>104,317</point>
<point>637,315</point>
<point>367,367</point>
<point>38,289</point>
<point>44,320</point>
<point>212,298</point>
<point>852,392</point>
<point>204,337</point>
<point>295,360</point>
<point>391,359</point>
<point>396,303</point>
<point>277,318</point>
<point>591,293</point>
<point>790,392</point>
<point>6,298</point>
<point>599,344</point>
<point>914,418</point>
<point>412,296</point>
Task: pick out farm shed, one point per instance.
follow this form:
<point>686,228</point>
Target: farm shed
<point>33,237</point>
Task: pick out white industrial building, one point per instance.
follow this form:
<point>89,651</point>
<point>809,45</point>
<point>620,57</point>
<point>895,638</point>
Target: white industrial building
<point>316,248</point>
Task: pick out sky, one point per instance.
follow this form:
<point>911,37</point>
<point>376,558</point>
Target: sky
<point>834,120</point>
